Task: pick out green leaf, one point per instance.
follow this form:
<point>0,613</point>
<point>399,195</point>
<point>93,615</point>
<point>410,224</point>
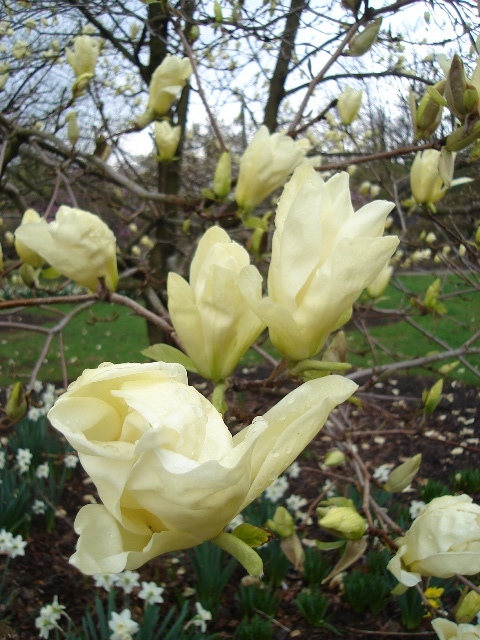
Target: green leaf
<point>354,550</point>
<point>251,535</point>
<point>166,353</point>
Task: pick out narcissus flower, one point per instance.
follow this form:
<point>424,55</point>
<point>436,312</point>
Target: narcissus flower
<point>168,471</point>
<point>77,244</point>
<point>266,165</point>
<point>210,315</point>
<point>323,255</point>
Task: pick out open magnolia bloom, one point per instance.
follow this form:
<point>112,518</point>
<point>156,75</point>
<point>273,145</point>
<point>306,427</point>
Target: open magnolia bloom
<point>323,255</point>
<point>442,541</point>
<point>166,84</point>
<point>266,165</point>
<point>210,315</point>
<point>77,244</point>
<point>168,471</point>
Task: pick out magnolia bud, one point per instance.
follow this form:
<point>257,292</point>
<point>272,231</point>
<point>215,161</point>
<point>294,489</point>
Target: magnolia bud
<point>362,42</point>
<point>455,89</point>
<point>222,180</point>
<point>428,113</point>
<point>334,458</point>
<point>431,397</point>
<point>73,131</point>
<point>462,137</point>
<point>365,187</point>
<point>403,475</point>
<point>379,285</point>
<point>343,522</point>
<point>17,405</point>
<point>468,607</point>
<point>27,274</point>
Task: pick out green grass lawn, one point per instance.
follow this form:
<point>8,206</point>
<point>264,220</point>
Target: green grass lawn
<point>104,333</point>
<point>403,341</point>
<point>114,334</point>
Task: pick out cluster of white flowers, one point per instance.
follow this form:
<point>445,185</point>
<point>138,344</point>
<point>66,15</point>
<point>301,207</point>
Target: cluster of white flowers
<point>3,460</point>
<point>277,489</point>
<point>24,458</point>
<point>11,545</point>
<point>294,504</point>
<point>47,400</point>
<point>416,508</point>
<point>49,616</point>
<point>128,581</point>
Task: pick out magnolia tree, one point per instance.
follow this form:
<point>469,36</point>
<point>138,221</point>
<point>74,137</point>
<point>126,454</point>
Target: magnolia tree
<point>282,91</point>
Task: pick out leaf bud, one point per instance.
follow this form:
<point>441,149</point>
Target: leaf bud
<point>431,397</point>
<point>222,179</point>
<point>334,458</point>
<point>17,405</point>
<point>362,42</point>
<point>468,607</point>
<point>281,523</point>
<point>402,476</point>
<point>343,522</point>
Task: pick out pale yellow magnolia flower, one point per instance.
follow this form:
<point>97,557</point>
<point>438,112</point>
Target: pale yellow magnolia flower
<point>447,630</point>
<point>348,105</point>
<point>442,541</point>
<point>266,165</point>
<point>83,59</point>
<point>323,255</point>
<point>84,55</point>
<point>425,182</point>
<point>77,244</point>
<point>210,315</point>
<point>167,82</point>
<point>168,472</point>
<point>166,140</point>
<point>25,253</point>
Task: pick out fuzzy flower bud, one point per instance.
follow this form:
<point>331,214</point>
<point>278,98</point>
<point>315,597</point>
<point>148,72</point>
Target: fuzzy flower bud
<point>222,180</point>
<point>363,41</point>
<point>348,105</point>
<point>344,522</point>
